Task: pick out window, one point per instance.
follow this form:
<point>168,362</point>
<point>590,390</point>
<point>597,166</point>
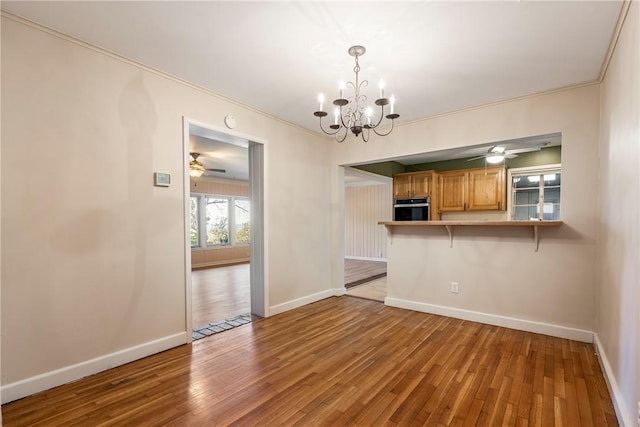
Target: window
<point>219,220</point>
<point>535,193</point>
<point>194,221</point>
<point>242,220</point>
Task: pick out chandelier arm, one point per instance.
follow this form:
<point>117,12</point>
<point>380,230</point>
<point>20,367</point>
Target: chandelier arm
<point>328,133</point>
<point>367,138</point>
<point>346,132</point>
<point>379,120</point>
<point>384,134</point>
<point>344,125</point>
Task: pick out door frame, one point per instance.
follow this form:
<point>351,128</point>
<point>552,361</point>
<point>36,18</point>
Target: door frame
<point>258,254</point>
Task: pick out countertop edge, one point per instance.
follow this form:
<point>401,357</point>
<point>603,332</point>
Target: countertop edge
<point>473,223</point>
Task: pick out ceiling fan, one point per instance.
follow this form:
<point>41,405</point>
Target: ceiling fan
<point>197,169</point>
<point>497,154</point>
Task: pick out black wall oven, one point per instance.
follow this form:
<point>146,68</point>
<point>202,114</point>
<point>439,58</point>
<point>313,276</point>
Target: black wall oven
<point>411,210</point>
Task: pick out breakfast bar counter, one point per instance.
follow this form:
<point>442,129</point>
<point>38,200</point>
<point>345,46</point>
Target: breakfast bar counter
<point>449,225</point>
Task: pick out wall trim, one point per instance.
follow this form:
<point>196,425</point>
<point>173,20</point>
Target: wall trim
<point>48,380</point>
<point>299,302</point>
<point>492,319</point>
<point>625,417</point>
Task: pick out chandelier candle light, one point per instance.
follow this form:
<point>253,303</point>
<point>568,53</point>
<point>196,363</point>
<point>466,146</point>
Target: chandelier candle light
<point>356,114</point>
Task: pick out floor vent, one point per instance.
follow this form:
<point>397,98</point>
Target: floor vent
<point>217,327</point>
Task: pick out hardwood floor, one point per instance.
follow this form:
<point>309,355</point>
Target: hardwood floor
<point>342,361</point>
<point>219,293</point>
<point>359,271</point>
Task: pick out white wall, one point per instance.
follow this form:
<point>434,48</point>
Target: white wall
<point>93,254</point>
<point>365,205</point>
<point>498,271</point>
<point>618,290</point>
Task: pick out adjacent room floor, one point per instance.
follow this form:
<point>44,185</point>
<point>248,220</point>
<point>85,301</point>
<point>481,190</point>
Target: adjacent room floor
<point>366,279</point>
<point>220,293</point>
<point>358,271</point>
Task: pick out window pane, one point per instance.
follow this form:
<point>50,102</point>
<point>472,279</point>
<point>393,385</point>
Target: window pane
<point>527,197</point>
<point>217,221</point>
<point>525,213</point>
<point>193,228</point>
<point>552,203</point>
<point>526,181</point>
<point>243,218</point>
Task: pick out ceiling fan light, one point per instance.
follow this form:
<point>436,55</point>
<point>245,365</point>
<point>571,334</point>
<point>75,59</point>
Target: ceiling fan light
<point>196,169</point>
<point>495,159</point>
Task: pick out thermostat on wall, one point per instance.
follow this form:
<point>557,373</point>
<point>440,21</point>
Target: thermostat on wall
<point>162,179</point>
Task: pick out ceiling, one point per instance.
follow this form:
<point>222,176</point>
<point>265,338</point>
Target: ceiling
<point>220,151</point>
<point>434,56</point>
<point>531,143</point>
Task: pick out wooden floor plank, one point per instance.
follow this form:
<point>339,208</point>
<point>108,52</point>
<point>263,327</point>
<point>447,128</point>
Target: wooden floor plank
<point>341,361</point>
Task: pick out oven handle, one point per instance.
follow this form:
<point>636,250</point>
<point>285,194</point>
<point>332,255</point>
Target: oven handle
<point>416,205</point>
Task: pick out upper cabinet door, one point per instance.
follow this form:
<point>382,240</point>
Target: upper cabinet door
<point>422,184</point>
<point>401,186</point>
<point>487,189</point>
<point>452,191</point>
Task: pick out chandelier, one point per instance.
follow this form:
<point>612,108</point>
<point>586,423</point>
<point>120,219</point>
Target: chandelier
<point>352,113</point>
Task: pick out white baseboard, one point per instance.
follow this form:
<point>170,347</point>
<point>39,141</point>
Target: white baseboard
<point>625,417</point>
<point>364,258</point>
<point>299,302</point>
<point>38,383</point>
<point>492,319</point>
<point>338,292</point>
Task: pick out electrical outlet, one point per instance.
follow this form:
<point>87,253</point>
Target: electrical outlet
<point>454,287</point>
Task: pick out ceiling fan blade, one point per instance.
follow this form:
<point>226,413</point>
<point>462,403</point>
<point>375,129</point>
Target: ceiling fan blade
<point>216,170</point>
<point>476,158</point>
<point>524,150</point>
<point>510,156</point>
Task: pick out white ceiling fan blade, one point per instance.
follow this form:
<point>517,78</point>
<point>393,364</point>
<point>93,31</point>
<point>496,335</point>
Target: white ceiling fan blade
<point>476,158</point>
<point>524,150</point>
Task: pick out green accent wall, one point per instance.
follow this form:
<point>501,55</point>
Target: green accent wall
<point>383,168</point>
<point>546,156</point>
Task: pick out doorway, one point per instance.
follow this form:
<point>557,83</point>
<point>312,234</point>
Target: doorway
<point>367,200</point>
<point>223,228</point>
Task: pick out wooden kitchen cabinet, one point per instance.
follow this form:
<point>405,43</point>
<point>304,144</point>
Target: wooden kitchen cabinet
<point>487,189</point>
<point>452,191</point>
<point>413,185</point>
<point>401,186</point>
<point>481,189</point>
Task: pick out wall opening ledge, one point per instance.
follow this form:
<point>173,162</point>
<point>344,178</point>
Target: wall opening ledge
<point>449,226</point>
